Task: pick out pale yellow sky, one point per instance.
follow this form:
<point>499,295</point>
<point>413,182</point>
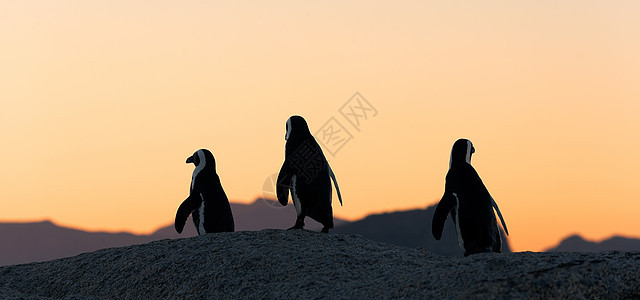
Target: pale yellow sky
<point>101,103</point>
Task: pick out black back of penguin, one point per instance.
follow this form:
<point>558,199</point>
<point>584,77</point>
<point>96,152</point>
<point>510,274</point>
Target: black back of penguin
<point>207,202</point>
<point>307,175</point>
<point>469,203</point>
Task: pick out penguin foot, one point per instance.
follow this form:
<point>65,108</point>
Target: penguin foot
<point>299,223</point>
<point>325,229</point>
<point>477,251</point>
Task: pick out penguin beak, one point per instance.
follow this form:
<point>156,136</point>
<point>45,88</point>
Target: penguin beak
<point>190,160</point>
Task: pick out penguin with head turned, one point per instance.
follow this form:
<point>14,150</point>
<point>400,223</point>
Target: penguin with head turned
<point>307,174</point>
<point>207,203</point>
<point>470,205</point>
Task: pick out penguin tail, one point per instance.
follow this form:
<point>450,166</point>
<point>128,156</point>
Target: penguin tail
<point>335,182</point>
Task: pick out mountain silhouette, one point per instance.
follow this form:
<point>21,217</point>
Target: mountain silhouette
<point>576,243</point>
<point>41,241</point>
<point>411,228</point>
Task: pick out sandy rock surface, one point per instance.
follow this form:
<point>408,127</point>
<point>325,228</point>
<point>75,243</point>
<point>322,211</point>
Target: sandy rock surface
<point>280,264</point>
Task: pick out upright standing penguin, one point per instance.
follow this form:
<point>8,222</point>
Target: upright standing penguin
<point>307,174</point>
<point>207,203</point>
<point>470,205</point>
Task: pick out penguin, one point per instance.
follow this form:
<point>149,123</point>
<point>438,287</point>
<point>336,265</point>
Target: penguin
<point>207,203</point>
<point>307,174</point>
<point>471,206</point>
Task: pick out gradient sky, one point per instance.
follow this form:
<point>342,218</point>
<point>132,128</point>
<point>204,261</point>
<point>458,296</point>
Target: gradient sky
<point>101,102</point>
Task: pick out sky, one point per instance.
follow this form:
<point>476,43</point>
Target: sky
<point>101,102</point>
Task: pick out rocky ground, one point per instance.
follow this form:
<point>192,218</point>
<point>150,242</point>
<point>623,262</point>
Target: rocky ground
<point>300,264</point>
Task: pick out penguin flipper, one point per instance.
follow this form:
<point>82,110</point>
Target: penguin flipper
<point>335,182</point>
<point>187,206</point>
<point>445,205</point>
<point>283,184</point>
<point>504,225</point>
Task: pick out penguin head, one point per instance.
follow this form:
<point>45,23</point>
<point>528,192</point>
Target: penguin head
<point>296,126</point>
<point>461,152</point>
<point>202,159</point>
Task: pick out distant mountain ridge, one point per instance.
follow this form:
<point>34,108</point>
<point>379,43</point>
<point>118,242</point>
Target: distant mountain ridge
<point>576,243</point>
<point>31,242</point>
<point>42,241</point>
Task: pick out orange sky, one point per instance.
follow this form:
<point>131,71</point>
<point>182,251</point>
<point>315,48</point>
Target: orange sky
<point>101,103</point>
